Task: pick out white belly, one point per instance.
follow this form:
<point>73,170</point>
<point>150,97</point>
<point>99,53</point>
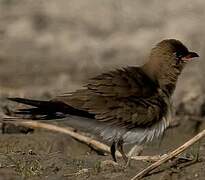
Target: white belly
<point>136,135</point>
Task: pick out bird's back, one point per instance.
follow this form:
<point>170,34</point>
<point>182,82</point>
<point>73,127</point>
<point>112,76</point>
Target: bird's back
<point>123,101</point>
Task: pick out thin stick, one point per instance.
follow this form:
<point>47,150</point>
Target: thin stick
<point>153,158</point>
<point>94,144</point>
<point>170,155</point>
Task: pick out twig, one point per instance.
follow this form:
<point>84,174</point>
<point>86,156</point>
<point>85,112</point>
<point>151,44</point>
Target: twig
<point>175,165</point>
<point>170,155</point>
<point>196,118</point>
<point>80,172</point>
<point>146,158</point>
<point>94,144</point>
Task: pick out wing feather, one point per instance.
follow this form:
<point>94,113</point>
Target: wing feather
<point>125,98</point>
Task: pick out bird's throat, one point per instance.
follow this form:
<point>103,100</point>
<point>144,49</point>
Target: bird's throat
<point>165,77</point>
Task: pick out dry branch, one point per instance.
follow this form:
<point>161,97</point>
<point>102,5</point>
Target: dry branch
<point>94,144</point>
<point>170,155</point>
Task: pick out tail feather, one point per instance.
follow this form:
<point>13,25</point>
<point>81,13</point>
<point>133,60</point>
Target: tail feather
<point>30,102</point>
<point>48,109</point>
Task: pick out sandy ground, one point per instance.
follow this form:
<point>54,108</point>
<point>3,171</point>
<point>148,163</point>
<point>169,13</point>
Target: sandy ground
<point>47,48</point>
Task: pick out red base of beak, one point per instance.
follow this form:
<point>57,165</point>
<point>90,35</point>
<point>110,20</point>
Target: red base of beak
<point>190,56</point>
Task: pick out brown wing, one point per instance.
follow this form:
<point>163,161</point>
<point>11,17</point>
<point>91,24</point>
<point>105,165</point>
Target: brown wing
<point>123,98</point>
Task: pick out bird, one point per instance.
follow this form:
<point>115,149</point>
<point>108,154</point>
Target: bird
<point>130,105</point>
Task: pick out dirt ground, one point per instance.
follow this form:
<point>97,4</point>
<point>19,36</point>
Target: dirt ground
<point>51,47</point>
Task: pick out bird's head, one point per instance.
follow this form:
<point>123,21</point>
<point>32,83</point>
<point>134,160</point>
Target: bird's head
<point>167,60</point>
<point>172,52</point>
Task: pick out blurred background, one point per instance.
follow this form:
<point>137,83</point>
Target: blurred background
<point>50,47</point>
<point>55,46</point>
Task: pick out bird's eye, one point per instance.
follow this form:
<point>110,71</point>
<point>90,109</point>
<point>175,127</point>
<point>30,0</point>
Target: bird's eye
<point>178,55</point>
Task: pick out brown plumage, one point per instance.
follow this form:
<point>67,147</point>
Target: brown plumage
<point>130,105</point>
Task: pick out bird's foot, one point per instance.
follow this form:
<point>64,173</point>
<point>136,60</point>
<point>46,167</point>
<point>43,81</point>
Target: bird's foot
<point>127,163</point>
<point>111,165</point>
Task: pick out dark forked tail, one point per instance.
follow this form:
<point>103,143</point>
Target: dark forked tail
<point>47,109</point>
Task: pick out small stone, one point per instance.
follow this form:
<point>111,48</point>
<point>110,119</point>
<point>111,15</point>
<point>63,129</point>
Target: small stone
<point>30,152</point>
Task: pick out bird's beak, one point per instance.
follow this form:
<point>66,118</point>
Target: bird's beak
<point>190,56</point>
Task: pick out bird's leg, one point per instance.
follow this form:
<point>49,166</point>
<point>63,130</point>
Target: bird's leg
<point>113,162</point>
<point>135,151</point>
<point>121,150</point>
<point>113,150</point>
